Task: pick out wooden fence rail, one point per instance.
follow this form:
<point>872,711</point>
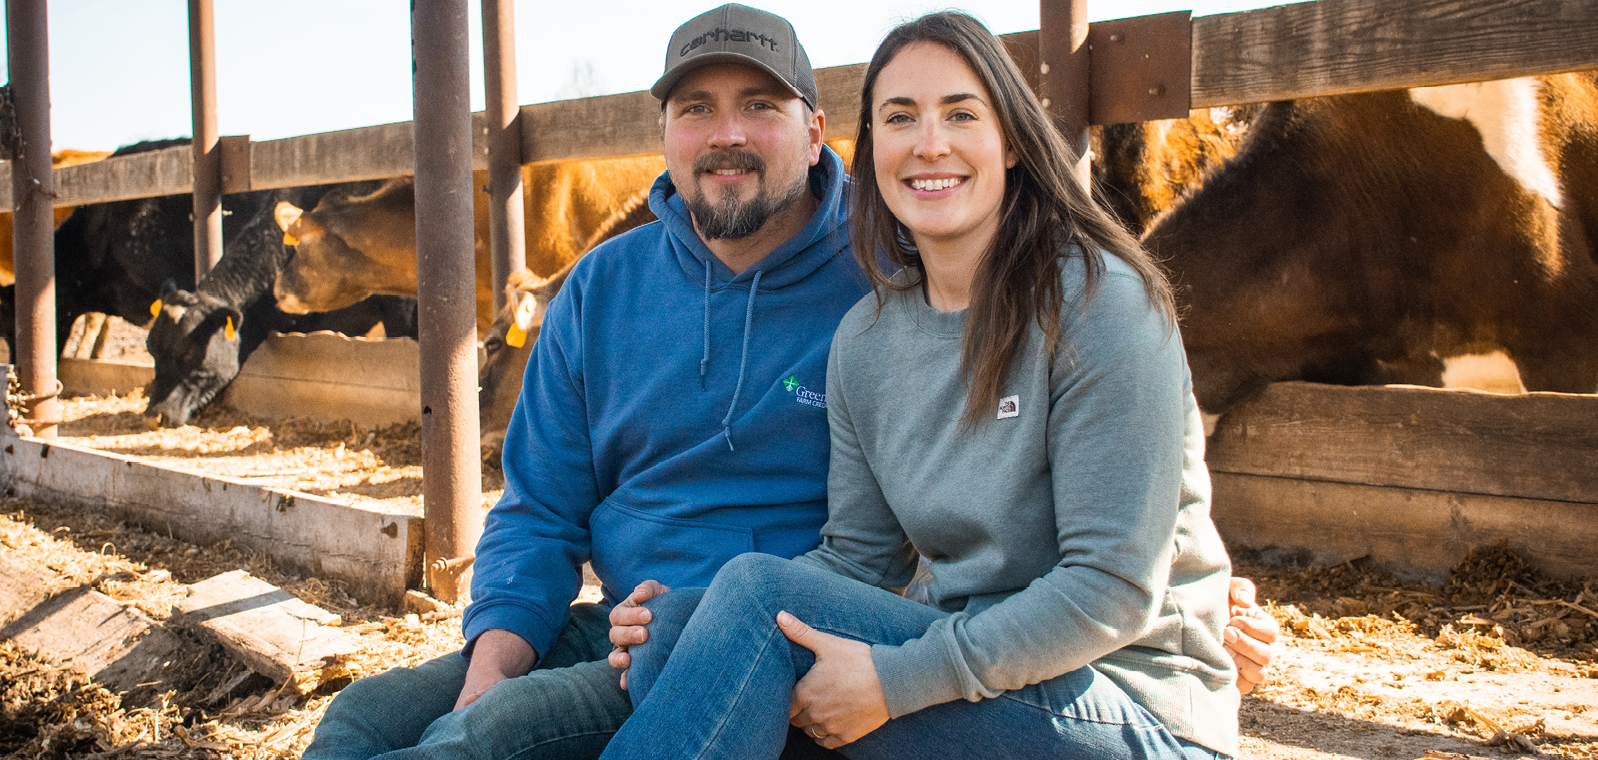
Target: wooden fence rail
<point>1328,47</point>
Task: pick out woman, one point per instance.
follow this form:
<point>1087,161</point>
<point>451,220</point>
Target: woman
<point>1014,405</point>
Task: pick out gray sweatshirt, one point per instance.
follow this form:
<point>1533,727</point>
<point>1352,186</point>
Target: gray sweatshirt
<point>1071,529</point>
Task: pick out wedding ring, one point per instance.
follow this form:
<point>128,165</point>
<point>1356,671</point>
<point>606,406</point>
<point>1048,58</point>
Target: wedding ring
<point>815,733</point>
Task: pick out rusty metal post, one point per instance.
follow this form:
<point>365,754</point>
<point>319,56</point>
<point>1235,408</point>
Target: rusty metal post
<point>446,298</point>
<point>207,155</point>
<point>1065,69</point>
<point>507,237</point>
<point>33,220</point>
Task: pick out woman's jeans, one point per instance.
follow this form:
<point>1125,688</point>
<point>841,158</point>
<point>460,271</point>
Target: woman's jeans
<point>725,690</point>
<point>566,709</point>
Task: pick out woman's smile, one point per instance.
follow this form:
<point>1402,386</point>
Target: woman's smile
<point>933,185</point>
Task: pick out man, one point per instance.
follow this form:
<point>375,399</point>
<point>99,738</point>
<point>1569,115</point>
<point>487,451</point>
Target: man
<point>672,417</point>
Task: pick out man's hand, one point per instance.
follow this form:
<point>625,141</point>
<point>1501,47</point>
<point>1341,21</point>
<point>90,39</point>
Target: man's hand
<point>497,656</point>
<point>628,624</point>
<point>840,699</point>
<point>1249,636</point>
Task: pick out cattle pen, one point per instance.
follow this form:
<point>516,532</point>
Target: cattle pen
<point>1411,478</point>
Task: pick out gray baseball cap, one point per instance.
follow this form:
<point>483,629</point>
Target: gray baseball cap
<point>737,33</point>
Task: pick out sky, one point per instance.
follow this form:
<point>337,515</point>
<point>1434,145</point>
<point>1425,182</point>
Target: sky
<point>119,68</point>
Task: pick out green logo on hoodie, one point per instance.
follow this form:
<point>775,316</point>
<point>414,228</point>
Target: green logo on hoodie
<point>791,383</point>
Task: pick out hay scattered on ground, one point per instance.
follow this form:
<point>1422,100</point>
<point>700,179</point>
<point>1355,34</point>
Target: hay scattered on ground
<point>381,466</point>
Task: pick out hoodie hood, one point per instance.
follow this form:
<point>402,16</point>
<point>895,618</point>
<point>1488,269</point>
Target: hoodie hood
<point>817,243</point>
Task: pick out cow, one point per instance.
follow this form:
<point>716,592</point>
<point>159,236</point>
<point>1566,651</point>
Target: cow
<point>1141,169</point>
<point>509,341</point>
<point>199,340</point>
<point>113,258</point>
<point>1363,239</point>
<point>349,248</point>
<point>59,159</point>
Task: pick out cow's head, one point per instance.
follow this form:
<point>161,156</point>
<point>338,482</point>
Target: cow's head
<point>194,341</point>
<point>509,344</point>
<point>345,251</point>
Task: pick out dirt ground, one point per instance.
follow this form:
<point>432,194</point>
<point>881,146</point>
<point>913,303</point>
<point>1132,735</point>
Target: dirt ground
<point>1498,662</point>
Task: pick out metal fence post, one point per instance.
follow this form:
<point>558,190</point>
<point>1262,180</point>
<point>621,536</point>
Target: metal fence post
<point>446,299</point>
<point>507,236</point>
<point>207,154</point>
<point>33,220</point>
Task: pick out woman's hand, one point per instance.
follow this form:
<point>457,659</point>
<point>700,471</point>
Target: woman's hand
<point>1249,636</point>
<point>629,624</point>
<point>840,699</point>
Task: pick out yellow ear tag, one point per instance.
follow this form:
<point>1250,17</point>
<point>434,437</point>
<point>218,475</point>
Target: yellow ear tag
<point>155,308</point>
<point>290,239</point>
<point>229,331</point>
<point>515,337</point>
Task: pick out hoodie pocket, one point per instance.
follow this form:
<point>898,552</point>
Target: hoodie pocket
<point>631,546</point>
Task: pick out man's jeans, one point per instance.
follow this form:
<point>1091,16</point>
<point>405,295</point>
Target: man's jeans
<point>568,707</point>
<point>724,691</point>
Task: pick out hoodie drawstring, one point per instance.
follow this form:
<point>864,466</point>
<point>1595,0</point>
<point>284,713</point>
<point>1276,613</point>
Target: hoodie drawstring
<point>705,360</point>
<point>743,361</point>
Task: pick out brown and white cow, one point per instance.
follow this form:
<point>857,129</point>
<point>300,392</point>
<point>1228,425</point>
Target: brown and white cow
<point>508,344</point>
<point>1364,238</point>
<point>349,248</point>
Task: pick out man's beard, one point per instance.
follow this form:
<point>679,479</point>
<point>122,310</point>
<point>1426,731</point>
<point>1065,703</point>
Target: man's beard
<point>732,219</point>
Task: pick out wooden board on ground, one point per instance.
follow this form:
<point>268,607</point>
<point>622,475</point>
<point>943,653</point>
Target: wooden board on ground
<point>115,644</point>
<point>1411,477</point>
<point>323,375</point>
<point>270,630</point>
<point>103,378</point>
<point>376,553</point>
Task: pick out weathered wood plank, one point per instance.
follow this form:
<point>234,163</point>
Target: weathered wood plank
<point>329,376</point>
<point>612,125</point>
<point>99,377</point>
<point>117,645</point>
<point>270,630</point>
<point>141,175</point>
<point>1536,446</point>
<point>1334,47</point>
<point>350,155</point>
<point>1412,531</point>
<point>375,553</point>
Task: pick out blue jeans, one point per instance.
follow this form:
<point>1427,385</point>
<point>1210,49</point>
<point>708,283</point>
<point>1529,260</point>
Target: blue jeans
<point>723,691</point>
<point>566,709</point>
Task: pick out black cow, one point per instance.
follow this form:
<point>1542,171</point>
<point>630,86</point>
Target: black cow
<point>200,339</point>
<point>114,257</point>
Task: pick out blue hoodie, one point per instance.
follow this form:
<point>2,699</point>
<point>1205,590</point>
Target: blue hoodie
<point>673,416</point>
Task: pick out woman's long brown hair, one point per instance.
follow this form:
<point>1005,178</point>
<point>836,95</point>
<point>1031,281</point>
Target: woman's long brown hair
<point>1044,210</point>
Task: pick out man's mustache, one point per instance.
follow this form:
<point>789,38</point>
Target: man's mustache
<point>732,159</point>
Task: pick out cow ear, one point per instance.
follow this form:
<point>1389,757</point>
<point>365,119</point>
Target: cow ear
<point>287,214</point>
<point>225,318</point>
